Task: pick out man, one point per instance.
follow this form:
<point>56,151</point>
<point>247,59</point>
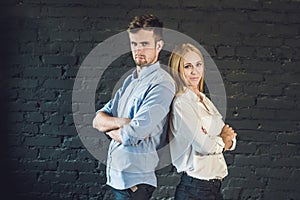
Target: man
<point>136,116</point>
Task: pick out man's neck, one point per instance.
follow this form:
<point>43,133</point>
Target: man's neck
<point>140,68</point>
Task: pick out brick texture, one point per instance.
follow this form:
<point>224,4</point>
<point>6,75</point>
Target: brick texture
<point>255,44</point>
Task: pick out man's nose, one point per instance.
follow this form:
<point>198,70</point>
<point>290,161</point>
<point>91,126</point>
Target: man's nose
<point>139,47</point>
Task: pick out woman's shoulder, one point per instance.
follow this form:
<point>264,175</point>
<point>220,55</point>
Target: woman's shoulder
<point>182,97</point>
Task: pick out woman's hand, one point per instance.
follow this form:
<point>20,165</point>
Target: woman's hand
<point>227,136</point>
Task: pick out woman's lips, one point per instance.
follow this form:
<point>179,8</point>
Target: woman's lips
<point>194,79</point>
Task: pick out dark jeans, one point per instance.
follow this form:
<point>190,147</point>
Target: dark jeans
<point>191,188</point>
<point>144,192</point>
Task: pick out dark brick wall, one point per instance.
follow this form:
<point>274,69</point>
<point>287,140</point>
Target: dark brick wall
<point>255,43</point>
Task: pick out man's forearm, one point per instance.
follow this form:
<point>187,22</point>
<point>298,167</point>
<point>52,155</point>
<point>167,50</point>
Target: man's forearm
<point>103,122</point>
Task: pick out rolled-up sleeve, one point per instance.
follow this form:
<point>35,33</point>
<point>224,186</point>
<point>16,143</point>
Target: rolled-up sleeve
<point>150,115</point>
<point>188,126</point>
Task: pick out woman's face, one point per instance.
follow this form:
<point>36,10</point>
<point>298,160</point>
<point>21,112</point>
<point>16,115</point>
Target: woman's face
<point>192,68</point>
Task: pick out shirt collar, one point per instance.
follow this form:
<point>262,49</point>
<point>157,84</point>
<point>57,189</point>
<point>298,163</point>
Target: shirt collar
<point>146,71</point>
<point>193,96</point>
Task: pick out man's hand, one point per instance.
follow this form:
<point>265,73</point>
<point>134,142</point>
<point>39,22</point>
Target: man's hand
<point>227,136</point>
<point>103,122</point>
<point>115,135</point>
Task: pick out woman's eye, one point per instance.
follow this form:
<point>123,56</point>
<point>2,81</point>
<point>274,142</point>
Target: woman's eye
<point>187,66</point>
<point>199,65</point>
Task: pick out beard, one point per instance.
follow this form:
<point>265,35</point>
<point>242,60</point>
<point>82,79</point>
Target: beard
<point>141,61</point>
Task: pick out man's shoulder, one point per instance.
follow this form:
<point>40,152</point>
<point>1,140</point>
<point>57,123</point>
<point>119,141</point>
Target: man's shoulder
<point>162,75</point>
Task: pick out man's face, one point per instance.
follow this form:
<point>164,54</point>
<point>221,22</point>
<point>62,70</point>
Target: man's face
<point>144,48</point>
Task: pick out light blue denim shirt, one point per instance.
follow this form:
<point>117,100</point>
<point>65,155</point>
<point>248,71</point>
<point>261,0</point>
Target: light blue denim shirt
<point>146,100</point>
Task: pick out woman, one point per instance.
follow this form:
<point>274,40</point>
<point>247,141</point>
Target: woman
<point>198,135</point>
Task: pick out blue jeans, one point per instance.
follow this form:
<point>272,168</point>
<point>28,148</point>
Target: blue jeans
<point>191,188</point>
<point>144,192</point>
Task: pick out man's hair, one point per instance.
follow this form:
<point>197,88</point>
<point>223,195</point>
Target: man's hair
<point>147,22</point>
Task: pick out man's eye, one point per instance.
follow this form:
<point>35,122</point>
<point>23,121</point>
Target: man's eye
<point>133,44</point>
<point>144,44</point>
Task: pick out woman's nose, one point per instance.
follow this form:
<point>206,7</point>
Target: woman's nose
<point>193,70</point>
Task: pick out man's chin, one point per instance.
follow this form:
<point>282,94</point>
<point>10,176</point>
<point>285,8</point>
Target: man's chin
<point>141,64</point>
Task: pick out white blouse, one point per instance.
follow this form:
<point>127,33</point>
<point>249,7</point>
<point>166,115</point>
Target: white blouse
<point>195,142</point>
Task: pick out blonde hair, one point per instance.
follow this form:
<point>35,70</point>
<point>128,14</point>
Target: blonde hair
<point>176,66</point>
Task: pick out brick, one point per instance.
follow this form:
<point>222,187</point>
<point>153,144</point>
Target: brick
<point>266,66</point>
<point>275,194</point>
<point>59,59</point>
<point>16,117</point>
<point>88,177</point>
<point>263,113</point>
<point>292,90</point>
<point>247,77</point>
<point>279,184</point>
<point>274,5</point>
<point>264,89</point>
<point>246,124</point>
<point>293,18</point>
<point>62,177</point>
<point>284,149</point>
<point>42,141</point>
<point>289,137</point>
<point>58,84</point>
<point>241,4</point>
<point>291,66</point>
<point>42,72</point>
<point>280,125</point>
<point>40,48</point>
<point>42,187</point>
<point>39,165</point>
<point>256,136</point>
<point>49,107</point>
<point>257,161</point>
<point>18,152</point>
<point>276,103</point>
<point>76,166</point>
<point>241,102</point>
<point>56,154</point>
<point>24,83</point>
<point>49,129</point>
<point>268,17</point>
<point>225,51</point>
<point>55,119</point>
<point>245,148</point>
<point>24,60</point>
<point>67,177</point>
<point>231,193</point>
<point>73,142</point>
<point>252,193</point>
<point>84,155</point>
<point>273,173</point>
<point>262,41</point>
<point>245,51</point>
<point>239,172</point>
<point>34,117</point>
<point>286,162</point>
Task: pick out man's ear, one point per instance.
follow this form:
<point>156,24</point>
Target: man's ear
<point>159,45</point>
